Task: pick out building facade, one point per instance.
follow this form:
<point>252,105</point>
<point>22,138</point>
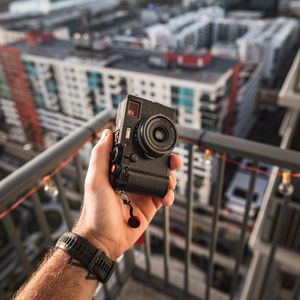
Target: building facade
<point>65,88</point>
<point>190,30</point>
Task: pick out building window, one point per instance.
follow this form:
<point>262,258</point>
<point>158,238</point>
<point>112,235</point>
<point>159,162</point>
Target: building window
<point>205,97</point>
<point>94,80</point>
<point>174,89</point>
<point>174,100</point>
<point>189,110</point>
<point>116,99</point>
<point>198,181</point>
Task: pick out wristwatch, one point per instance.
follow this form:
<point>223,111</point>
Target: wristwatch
<point>92,259</point>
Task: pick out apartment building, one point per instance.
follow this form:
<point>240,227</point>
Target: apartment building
<point>265,41</point>
<point>46,6</point>
<point>9,36</point>
<point>227,30</point>
<point>268,41</point>
<point>65,86</point>
<point>271,42</point>
<point>190,30</point>
<point>62,18</point>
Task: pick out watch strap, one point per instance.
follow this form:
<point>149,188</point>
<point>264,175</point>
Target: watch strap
<point>92,259</point>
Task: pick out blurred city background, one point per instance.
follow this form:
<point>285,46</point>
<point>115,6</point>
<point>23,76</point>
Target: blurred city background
<point>230,68</point>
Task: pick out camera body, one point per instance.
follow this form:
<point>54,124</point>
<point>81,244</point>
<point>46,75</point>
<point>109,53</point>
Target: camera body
<point>144,138</point>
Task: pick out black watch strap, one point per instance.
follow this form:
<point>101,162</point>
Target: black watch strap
<point>92,259</point>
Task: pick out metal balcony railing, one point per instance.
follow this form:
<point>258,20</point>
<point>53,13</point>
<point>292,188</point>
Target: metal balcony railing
<point>141,263</point>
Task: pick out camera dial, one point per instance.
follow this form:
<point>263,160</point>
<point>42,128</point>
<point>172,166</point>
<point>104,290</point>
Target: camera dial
<point>156,136</point>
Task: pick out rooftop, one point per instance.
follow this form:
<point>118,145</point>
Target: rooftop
<point>209,74</point>
<point>46,6</point>
<point>57,49</point>
<point>35,14</point>
<point>128,59</point>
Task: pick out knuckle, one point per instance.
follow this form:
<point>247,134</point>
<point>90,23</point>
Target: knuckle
<point>96,149</point>
<point>174,180</point>
<point>170,195</point>
<point>90,185</point>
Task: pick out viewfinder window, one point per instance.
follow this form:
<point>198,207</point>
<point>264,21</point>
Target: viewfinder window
<point>133,109</point>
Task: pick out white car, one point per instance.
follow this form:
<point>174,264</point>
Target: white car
<point>237,191</point>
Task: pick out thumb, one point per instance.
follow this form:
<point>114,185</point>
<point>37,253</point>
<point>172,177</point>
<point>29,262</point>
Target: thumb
<point>99,163</point>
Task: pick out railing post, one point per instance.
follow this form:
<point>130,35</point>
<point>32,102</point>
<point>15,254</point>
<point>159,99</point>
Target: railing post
<point>124,267</point>
<point>214,231</point>
<point>64,201</point>
<point>166,216</point>
<point>189,219</point>
<point>242,240</point>
<point>106,292</point>
<point>129,264</point>
<point>80,176</point>
<point>3,294</point>
<point>282,218</point>
<point>39,212</point>
<point>147,250</point>
<point>118,274</point>
<point>15,238</point>
<point>296,289</point>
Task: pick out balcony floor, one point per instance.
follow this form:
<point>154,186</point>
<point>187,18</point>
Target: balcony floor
<point>135,290</point>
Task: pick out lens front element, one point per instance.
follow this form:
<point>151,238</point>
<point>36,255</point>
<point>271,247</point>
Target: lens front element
<point>160,134</point>
<point>157,136</point>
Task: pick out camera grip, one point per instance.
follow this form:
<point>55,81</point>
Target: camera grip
<point>147,184</point>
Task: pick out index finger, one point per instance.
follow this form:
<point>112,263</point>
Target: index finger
<point>175,162</point>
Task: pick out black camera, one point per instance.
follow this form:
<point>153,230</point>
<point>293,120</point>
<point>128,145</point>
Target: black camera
<point>144,138</point>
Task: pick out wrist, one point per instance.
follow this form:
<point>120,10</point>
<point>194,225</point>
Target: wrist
<point>90,236</point>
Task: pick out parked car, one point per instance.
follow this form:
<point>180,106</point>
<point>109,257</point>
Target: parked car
<point>237,191</point>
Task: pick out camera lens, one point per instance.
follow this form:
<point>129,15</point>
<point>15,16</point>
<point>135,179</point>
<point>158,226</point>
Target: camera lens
<point>160,134</point>
<point>156,136</point>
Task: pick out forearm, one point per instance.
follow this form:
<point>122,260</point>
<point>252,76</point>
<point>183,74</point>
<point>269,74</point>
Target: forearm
<point>57,279</point>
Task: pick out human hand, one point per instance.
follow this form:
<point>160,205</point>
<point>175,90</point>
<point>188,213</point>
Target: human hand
<point>103,219</point>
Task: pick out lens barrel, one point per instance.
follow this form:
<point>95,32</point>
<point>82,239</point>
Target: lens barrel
<point>156,135</point>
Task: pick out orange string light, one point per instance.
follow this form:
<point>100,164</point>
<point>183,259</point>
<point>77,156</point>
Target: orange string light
<point>45,180</point>
<point>207,154</point>
<point>286,177</point>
